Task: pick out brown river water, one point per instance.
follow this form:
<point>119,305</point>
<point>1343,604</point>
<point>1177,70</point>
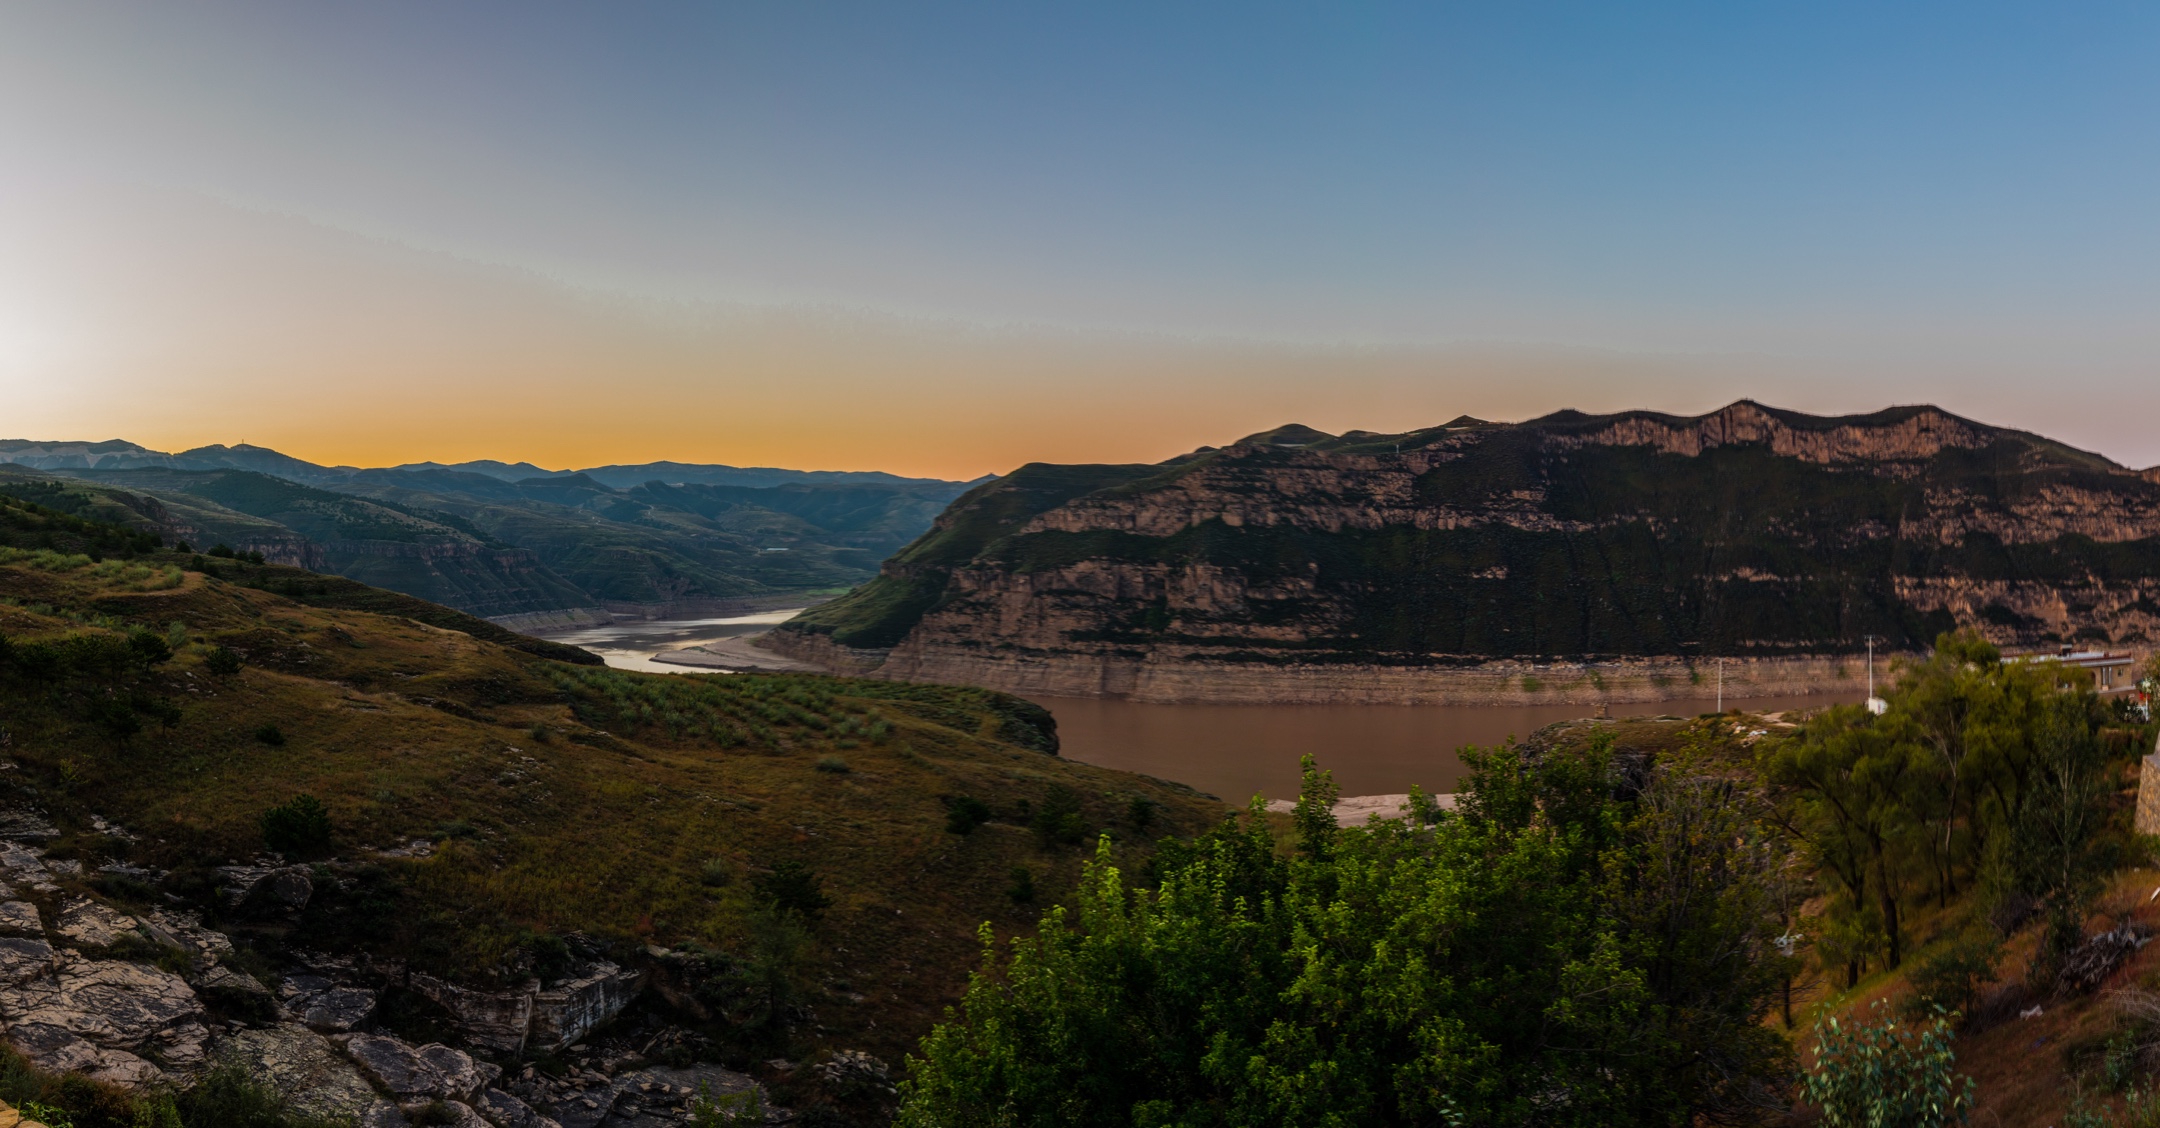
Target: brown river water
<point>1237,751</point>
<point>1230,751</point>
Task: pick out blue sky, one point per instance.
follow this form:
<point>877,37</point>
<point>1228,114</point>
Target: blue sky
<point>1830,206</point>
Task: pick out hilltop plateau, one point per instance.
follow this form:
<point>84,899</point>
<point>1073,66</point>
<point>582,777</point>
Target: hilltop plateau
<point>1572,557</point>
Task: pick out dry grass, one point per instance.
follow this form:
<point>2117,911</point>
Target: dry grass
<point>556,809</point>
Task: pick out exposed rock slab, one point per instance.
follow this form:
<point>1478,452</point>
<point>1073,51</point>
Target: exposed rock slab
<point>338,1010</point>
<point>23,957</point>
<point>307,1069</point>
<point>20,918</point>
<point>93,925</point>
<point>505,1111</point>
<point>20,824</point>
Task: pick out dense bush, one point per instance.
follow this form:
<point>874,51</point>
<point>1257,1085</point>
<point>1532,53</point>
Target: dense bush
<point>1523,960</point>
<point>963,813</point>
<point>1884,1074</point>
<point>1059,821</point>
<point>297,829</point>
<point>791,887</point>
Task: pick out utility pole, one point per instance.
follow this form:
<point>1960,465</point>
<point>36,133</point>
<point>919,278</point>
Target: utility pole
<point>1875,705</point>
<point>1721,683</point>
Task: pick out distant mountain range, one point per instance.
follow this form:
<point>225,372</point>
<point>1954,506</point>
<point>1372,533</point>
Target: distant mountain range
<point>1490,561</point>
<point>499,539</point>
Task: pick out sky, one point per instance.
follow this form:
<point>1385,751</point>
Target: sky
<point>948,239</point>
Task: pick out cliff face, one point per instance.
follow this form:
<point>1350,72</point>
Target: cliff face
<point>1294,560</point>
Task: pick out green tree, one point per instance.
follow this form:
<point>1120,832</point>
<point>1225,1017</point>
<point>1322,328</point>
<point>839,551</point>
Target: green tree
<point>1551,952</point>
<point>2059,849</point>
<point>1851,790</point>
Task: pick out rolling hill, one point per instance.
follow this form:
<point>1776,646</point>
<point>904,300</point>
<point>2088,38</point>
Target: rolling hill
<point>500,539</point>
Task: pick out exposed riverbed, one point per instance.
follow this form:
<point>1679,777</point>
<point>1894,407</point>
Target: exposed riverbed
<point>1231,751</point>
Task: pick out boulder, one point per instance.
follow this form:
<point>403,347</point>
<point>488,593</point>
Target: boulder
<point>574,1007</point>
<point>463,1116</point>
<point>411,1074</point>
<point>296,989</point>
<point>20,918</point>
<point>114,1005</point>
<point>496,1020</point>
<point>505,1111</point>
<point>309,1071</point>
<point>267,888</point>
<point>91,925</point>
<point>338,1010</point>
<point>235,992</point>
<point>532,1017</point>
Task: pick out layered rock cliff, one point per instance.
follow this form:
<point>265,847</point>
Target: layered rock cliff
<point>1486,561</point>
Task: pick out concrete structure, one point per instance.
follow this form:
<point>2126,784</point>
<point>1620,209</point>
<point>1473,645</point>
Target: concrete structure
<point>2112,672</point>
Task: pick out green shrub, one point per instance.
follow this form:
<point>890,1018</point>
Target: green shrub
<point>270,735</point>
<point>832,764</point>
<point>1022,889</point>
<point>791,887</point>
<point>964,813</point>
<point>715,872</point>
<point>1950,980</point>
<point>1059,820</point>
<point>52,1117</point>
<point>222,662</point>
<point>710,1111</point>
<point>1141,811</point>
<point>228,1096</point>
<point>298,828</point>
<point>1883,1075</point>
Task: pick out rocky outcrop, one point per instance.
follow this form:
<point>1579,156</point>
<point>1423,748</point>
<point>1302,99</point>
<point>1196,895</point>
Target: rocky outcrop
<point>90,924</point>
<point>533,1016</point>
<point>419,1074</point>
<point>1475,562</point>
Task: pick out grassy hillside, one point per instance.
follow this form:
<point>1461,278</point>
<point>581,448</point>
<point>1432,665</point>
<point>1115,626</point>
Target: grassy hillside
<point>555,798</point>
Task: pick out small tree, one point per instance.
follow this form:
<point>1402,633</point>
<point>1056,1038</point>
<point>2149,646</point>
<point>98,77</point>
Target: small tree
<point>792,887</point>
<point>1882,1074</point>
<point>1059,821</point>
<point>965,813</point>
<point>298,828</point>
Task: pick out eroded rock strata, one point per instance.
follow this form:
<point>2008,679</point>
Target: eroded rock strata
<point>1571,558</point>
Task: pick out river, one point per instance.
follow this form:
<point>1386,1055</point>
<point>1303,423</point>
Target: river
<point>1230,751</point>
